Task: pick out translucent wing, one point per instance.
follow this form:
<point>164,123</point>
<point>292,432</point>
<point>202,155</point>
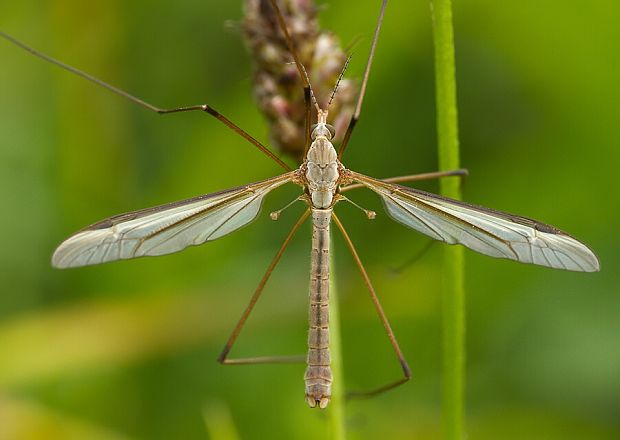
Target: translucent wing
<point>167,228</point>
<point>490,232</point>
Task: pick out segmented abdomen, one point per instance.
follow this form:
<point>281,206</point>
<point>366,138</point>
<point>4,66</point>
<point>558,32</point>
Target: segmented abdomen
<point>318,375</point>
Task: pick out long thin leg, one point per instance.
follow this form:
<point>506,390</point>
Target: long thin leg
<point>384,321</point>
<point>360,98</point>
<point>416,257</point>
<point>414,177</point>
<point>302,73</point>
<point>223,358</point>
<point>203,107</point>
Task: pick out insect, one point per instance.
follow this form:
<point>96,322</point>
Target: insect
<point>324,179</point>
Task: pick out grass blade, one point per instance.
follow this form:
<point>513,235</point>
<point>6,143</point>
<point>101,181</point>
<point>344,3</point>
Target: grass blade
<point>453,302</point>
<point>337,404</point>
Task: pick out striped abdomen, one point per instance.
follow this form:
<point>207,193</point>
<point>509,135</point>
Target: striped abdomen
<point>318,375</point>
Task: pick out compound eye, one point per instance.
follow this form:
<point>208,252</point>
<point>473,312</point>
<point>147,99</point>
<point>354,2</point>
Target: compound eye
<point>332,130</point>
<point>322,129</point>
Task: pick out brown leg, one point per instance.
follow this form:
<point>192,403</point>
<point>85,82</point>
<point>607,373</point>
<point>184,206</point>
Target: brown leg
<point>382,317</point>
<point>360,98</point>
<point>223,357</point>
<point>462,173</point>
<point>203,107</point>
<point>308,95</point>
<point>416,257</point>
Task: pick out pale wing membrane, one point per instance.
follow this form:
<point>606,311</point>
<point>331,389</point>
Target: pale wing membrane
<point>490,232</point>
<point>167,228</point>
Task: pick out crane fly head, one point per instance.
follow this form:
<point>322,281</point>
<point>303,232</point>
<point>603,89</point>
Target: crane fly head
<point>322,128</point>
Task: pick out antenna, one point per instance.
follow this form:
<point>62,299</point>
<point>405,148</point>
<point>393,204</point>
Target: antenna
<point>344,69</point>
<point>314,101</point>
<point>305,80</point>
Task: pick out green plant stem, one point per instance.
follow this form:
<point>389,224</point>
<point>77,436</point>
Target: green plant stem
<point>453,292</point>
<point>337,403</point>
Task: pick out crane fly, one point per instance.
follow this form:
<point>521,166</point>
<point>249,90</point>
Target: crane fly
<point>324,179</point>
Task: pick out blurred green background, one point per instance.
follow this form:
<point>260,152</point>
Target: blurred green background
<point>127,350</point>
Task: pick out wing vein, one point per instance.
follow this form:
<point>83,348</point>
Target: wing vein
<point>490,232</point>
<point>166,228</point>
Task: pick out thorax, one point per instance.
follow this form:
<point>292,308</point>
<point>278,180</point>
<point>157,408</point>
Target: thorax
<point>322,171</point>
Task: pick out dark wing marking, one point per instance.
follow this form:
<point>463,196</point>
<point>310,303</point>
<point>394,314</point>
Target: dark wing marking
<point>167,228</point>
<point>490,232</point>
